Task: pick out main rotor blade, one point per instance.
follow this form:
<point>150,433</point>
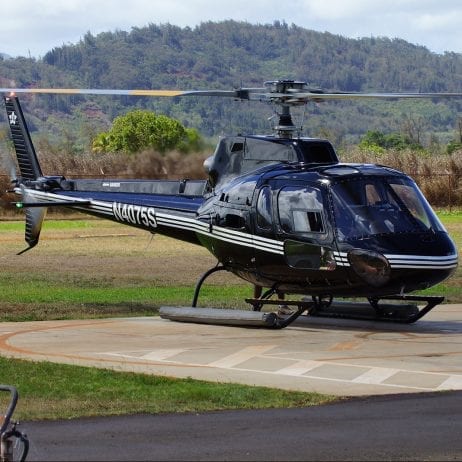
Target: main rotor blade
<point>115,92</point>
<point>290,97</point>
<point>341,95</point>
<point>300,98</point>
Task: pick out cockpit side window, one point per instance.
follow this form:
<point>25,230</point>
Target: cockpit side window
<point>264,208</point>
<point>301,210</point>
<point>408,195</point>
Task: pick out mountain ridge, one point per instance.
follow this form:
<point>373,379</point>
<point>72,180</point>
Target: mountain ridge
<point>228,54</point>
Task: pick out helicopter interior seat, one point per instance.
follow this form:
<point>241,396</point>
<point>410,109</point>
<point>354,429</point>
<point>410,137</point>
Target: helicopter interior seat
<point>382,226</point>
<point>387,218</point>
<point>371,219</point>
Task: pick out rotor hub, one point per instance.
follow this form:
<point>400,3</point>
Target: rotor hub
<point>285,86</point>
<point>284,94</point>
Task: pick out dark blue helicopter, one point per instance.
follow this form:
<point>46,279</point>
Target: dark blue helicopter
<point>279,211</point>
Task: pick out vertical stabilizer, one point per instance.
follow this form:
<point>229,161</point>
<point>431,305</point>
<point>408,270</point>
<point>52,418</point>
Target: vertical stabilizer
<point>25,152</point>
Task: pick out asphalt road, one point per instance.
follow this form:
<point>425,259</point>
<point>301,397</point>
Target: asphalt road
<point>397,427</point>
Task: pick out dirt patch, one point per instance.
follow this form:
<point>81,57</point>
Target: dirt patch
<point>111,254</point>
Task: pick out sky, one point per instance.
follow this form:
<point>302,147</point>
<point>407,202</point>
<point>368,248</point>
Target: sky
<point>34,27</point>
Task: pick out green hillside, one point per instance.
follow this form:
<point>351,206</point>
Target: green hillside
<point>229,54</point>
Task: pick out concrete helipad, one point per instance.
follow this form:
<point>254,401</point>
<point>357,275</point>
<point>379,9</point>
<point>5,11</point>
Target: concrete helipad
<point>340,357</point>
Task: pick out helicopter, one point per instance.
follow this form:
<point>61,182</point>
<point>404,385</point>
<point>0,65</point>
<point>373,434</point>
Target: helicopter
<point>280,211</point>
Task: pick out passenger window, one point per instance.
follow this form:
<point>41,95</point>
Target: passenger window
<point>240,192</point>
<point>300,210</point>
<point>307,221</point>
<point>264,209</point>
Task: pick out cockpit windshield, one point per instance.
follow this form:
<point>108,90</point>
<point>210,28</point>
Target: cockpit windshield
<point>380,205</point>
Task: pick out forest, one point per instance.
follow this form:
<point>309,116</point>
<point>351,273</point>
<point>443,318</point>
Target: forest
<point>230,54</point>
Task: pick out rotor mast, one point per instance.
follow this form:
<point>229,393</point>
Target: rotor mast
<point>284,94</point>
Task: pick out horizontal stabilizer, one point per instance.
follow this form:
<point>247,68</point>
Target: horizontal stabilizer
<point>26,205</point>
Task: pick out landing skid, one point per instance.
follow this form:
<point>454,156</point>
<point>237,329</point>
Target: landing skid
<point>228,317</point>
<point>406,310</point>
<point>373,310</point>
<point>377,309</point>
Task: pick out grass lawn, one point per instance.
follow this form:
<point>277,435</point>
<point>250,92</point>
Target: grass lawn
<point>59,391</point>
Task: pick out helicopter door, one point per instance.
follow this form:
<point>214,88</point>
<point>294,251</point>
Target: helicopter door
<point>233,245</point>
<point>268,251</point>
<point>300,232</point>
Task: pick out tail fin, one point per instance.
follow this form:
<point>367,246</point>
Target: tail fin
<point>28,166</point>
<point>25,152</point>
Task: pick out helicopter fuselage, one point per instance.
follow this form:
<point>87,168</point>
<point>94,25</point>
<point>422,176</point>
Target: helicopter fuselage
<point>299,224</point>
<point>337,229</point>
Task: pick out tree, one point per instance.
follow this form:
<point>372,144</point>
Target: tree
<point>377,141</point>
<point>140,129</point>
<point>193,142</point>
<point>413,127</point>
<point>453,146</point>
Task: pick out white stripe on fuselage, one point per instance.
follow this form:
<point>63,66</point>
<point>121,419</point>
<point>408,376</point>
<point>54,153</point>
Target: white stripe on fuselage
<point>408,261</point>
<point>151,217</point>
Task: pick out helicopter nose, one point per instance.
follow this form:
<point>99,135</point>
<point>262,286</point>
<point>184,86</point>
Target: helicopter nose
<point>370,266</point>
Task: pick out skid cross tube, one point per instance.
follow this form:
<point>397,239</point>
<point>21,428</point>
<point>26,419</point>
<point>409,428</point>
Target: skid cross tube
<point>201,281</point>
<point>231,317</point>
<point>282,322</point>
